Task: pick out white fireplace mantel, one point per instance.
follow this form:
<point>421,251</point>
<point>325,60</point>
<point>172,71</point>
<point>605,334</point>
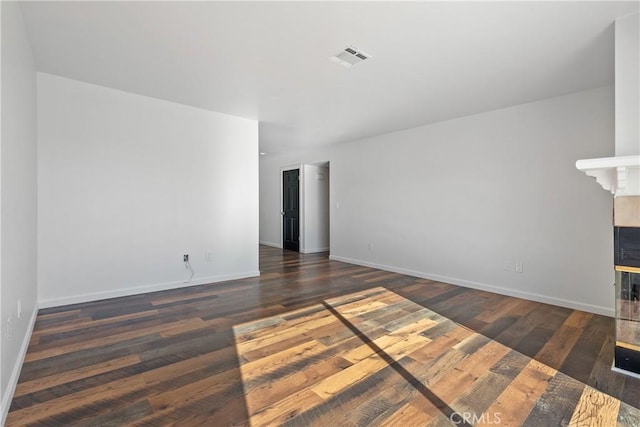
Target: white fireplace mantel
<point>619,175</point>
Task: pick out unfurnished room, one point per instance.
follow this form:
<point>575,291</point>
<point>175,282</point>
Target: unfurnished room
<point>259,213</point>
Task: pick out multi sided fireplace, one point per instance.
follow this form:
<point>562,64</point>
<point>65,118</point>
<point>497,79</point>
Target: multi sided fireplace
<point>621,176</point>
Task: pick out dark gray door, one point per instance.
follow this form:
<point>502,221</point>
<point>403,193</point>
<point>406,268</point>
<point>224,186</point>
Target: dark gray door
<point>291,209</point>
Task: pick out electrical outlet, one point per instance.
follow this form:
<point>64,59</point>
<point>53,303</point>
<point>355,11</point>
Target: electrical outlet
<point>185,258</point>
<point>519,267</point>
<point>19,309</point>
<point>370,247</point>
<point>508,266</point>
<point>209,256</point>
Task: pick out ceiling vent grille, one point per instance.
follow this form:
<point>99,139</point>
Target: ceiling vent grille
<point>349,57</point>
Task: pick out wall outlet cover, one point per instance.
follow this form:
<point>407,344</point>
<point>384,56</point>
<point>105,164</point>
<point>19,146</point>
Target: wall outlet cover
<point>519,267</point>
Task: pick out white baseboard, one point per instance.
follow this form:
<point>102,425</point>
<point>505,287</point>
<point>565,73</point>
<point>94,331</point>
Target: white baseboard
<point>95,296</point>
<point>576,305</point>
<point>313,250</point>
<point>273,245</point>
<point>7,396</point>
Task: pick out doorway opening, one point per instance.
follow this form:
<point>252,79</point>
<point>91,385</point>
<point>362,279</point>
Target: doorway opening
<point>305,204</point>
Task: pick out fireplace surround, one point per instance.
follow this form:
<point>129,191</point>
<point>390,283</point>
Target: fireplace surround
<point>621,176</point>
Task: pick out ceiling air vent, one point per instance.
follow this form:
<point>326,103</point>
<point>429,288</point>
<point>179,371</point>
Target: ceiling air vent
<point>349,57</point>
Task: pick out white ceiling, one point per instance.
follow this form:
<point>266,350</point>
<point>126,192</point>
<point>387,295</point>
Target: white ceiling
<point>268,61</point>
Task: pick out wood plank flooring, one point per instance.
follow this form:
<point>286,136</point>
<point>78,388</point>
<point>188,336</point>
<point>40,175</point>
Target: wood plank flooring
<point>318,342</point>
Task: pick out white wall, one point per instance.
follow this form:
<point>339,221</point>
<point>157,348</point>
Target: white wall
<point>627,72</point>
<point>18,201</point>
<point>128,184</point>
<point>458,200</point>
<point>316,209</point>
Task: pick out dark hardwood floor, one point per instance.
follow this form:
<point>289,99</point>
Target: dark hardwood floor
<point>319,342</point>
